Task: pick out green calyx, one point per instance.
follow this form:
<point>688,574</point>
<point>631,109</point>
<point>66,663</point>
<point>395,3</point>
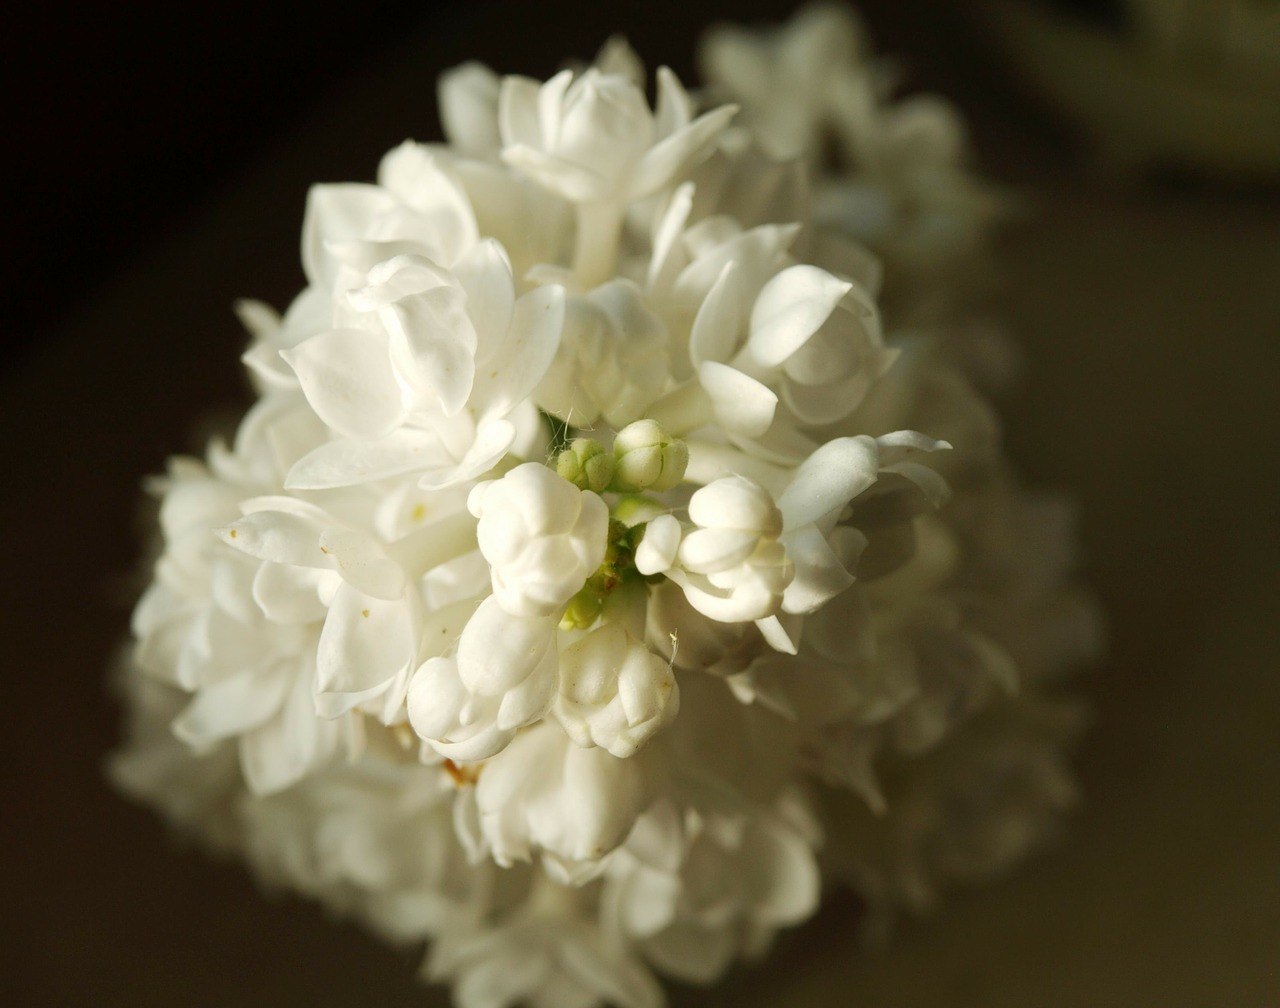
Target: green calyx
<point>617,570</point>
<point>585,463</point>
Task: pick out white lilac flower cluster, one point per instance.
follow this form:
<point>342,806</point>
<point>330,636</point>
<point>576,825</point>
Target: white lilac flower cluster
<point>600,572</point>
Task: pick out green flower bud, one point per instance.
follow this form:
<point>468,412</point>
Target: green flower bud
<point>646,457</point>
<point>586,465</point>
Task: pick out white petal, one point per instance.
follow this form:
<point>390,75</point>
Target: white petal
<point>718,325</point>
<point>518,111</point>
<point>363,563</point>
<point>525,353</point>
<point>790,309</point>
<point>645,685</point>
<point>360,257</point>
<point>498,981</point>
<point>438,543</point>
<point>669,158</point>
<point>782,875</point>
<point>818,405</point>
<point>618,978</point>
<point>232,706</point>
<point>730,56</point>
<point>161,650</point>
<point>663,260</point>
<point>468,98</point>
<point>742,404</point>
<point>819,574</point>
<point>604,122</point>
<point>606,795</point>
<point>531,699</point>
<point>288,594</point>
<point>756,252</point>
<point>497,651</point>
<point>365,643</point>
<point>411,172</point>
<point>276,536</point>
<point>551,102</point>
<point>692,953</point>
<point>674,108</point>
<point>435,697</point>
<point>749,603</point>
<point>433,343</point>
<point>481,745</point>
<point>564,178</point>
<point>657,550</point>
<point>708,550</point>
<point>912,439</point>
<point>492,440</point>
<point>317,516</point>
<point>648,900</point>
<point>485,275</point>
<point>734,502</point>
<point>828,479</point>
<point>337,212</point>
<point>346,463</point>
<point>777,637</point>
<point>347,378</point>
<point>683,409</point>
<point>931,484</point>
<point>543,791</point>
<point>260,320</point>
<point>781,445</point>
<point>286,748</point>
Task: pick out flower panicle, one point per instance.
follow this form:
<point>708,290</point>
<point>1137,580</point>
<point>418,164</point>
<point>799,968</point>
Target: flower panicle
<point>599,533</point>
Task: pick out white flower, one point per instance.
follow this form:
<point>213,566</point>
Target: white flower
<point>593,141</point>
<point>792,80</point>
<point>249,673</point>
<point>591,397</point>
<point>372,839</point>
<point>455,722</point>
<point>614,692</point>
<point>511,658</point>
<point>549,953</point>
<point>805,339</point>
<point>543,793</point>
<point>542,536</point>
<point>823,334</point>
<point>593,138</point>
<point>314,568</point>
<point>417,209</point>
<point>807,90</point>
<point>735,569</point>
<point>612,359</point>
<point>752,878</point>
<point>429,373</point>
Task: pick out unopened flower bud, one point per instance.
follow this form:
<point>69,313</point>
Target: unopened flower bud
<point>541,536</point>
<point>586,465</point>
<point>648,458</point>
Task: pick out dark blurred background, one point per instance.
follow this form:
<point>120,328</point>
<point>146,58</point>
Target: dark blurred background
<point>157,160</point>
<point>125,120</point>
<point>122,118</point>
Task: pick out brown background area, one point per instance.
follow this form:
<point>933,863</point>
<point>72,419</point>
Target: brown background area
<point>1149,322</point>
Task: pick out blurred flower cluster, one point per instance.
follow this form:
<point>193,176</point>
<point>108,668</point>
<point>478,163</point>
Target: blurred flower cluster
<point>620,550</point>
